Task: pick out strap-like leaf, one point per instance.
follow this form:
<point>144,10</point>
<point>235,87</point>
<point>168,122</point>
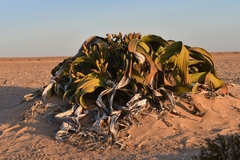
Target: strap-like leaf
<point>201,54</point>
<point>47,92</point>
<point>179,88</point>
<point>89,86</point>
<point>132,46</point>
<point>217,83</point>
<point>139,48</point>
<point>197,77</point>
<point>181,60</point>
<point>155,41</point>
<point>82,59</point>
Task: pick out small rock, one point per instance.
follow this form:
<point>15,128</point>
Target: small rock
<point>5,82</point>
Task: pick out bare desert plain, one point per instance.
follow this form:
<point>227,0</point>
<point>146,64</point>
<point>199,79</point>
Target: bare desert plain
<point>35,139</point>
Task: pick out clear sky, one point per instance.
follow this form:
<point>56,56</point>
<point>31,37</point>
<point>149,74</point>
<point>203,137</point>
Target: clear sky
<point>35,28</point>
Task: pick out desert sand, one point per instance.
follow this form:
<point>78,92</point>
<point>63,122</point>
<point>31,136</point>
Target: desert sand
<point>34,139</point>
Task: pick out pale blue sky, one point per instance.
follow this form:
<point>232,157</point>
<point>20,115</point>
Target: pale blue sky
<point>35,28</point>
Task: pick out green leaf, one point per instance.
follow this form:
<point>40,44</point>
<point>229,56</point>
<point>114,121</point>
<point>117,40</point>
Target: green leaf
<point>58,89</point>
<point>68,95</point>
<point>201,54</point>
<point>197,77</point>
<point>183,63</point>
<point>194,89</point>
<point>137,76</point>
<point>216,82</point>
<point>180,88</point>
<point>170,51</point>
<point>155,41</point>
<point>83,59</point>
<point>88,85</point>
<point>181,58</point>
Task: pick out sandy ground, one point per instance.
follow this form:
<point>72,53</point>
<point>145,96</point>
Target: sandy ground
<point>151,140</point>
